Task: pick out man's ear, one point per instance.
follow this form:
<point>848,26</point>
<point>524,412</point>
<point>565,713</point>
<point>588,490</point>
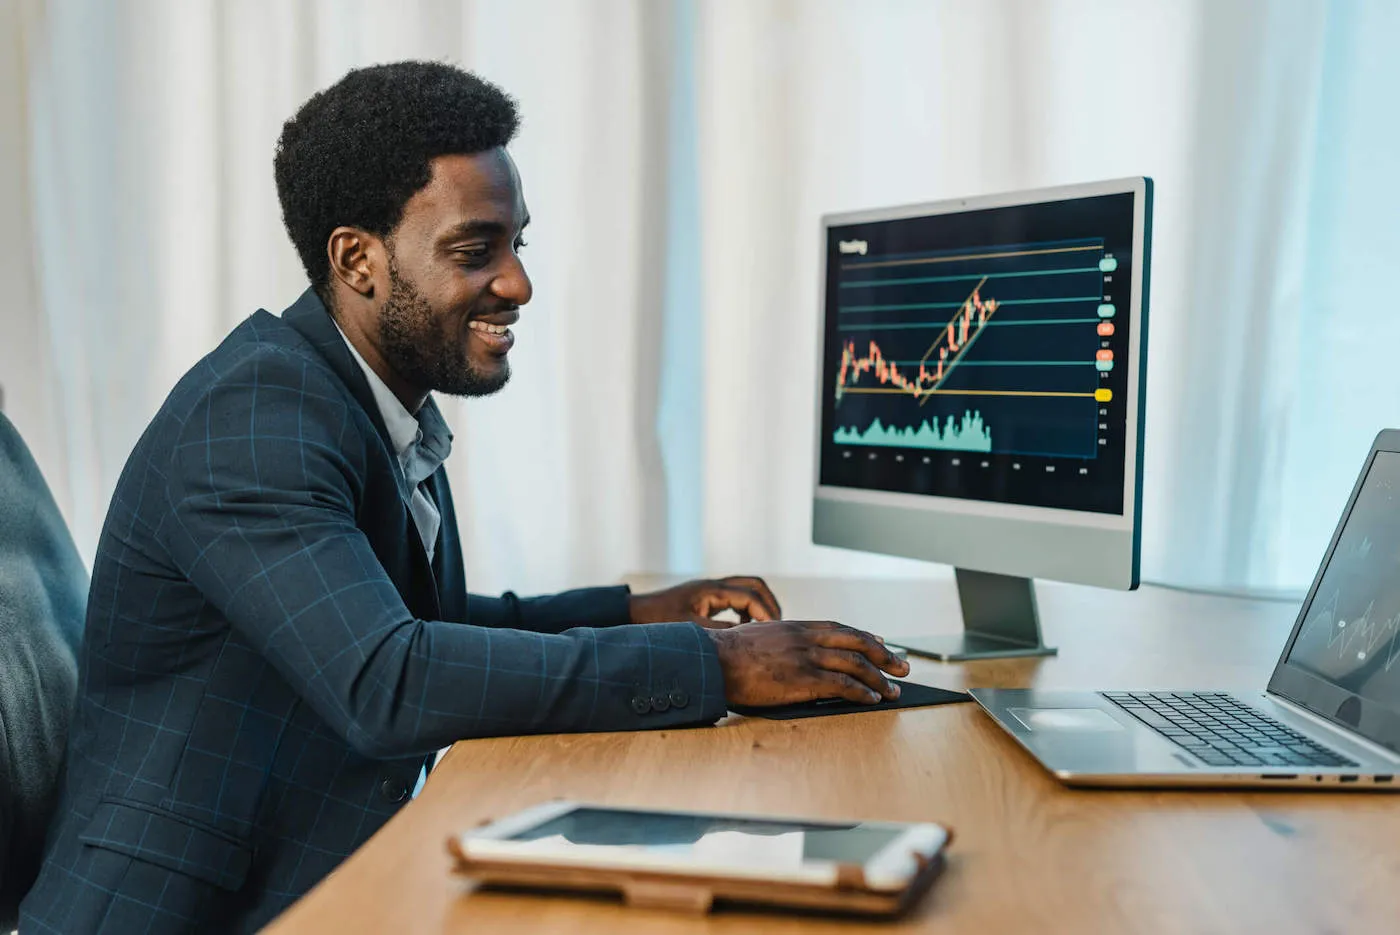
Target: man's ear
<point>355,256</point>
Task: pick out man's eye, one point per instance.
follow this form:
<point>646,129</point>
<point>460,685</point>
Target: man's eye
<point>521,243</point>
<point>472,255</point>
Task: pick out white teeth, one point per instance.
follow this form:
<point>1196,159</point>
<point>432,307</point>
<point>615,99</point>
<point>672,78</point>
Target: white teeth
<point>488,328</point>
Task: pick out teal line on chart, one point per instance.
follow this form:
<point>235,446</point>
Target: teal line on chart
<point>921,305</point>
<point>986,324</point>
<point>924,279</point>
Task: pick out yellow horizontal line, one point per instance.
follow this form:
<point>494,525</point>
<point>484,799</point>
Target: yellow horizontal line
<point>966,256</point>
<point>876,389</point>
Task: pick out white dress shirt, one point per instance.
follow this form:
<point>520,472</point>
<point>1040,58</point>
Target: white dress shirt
<point>422,442</point>
<point>420,452</point>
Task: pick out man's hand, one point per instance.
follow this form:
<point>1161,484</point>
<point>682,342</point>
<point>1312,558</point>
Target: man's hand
<point>699,601</point>
<point>789,661</point>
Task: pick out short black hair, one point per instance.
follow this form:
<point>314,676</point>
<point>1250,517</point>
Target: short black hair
<point>356,152</point>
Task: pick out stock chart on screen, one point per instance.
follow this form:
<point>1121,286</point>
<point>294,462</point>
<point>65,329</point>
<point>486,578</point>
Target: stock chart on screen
<point>981,354</point>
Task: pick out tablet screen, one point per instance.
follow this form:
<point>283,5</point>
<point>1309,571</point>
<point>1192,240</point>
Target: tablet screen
<point>715,839</point>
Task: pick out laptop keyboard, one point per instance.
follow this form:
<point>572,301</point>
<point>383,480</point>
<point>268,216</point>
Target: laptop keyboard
<point>1221,731</point>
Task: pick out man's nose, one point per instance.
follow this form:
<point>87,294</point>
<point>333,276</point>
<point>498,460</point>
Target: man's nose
<point>513,284</point>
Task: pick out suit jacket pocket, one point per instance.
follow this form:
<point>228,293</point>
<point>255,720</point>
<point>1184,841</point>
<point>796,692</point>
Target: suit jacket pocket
<point>170,841</point>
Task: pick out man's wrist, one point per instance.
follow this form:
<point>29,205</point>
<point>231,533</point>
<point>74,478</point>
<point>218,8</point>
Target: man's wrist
<point>650,608</point>
<point>716,670</point>
<point>723,641</point>
<point>625,591</point>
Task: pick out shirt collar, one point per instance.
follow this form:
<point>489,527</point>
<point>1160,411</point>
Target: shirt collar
<point>427,428</point>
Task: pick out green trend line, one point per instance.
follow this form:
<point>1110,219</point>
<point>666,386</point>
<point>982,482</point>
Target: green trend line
<point>900,308</point>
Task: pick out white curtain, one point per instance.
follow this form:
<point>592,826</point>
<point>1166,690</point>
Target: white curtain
<point>676,155</point>
<point>147,132</point>
<point>1268,128</point>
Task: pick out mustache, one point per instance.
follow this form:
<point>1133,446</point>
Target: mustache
<point>494,308</point>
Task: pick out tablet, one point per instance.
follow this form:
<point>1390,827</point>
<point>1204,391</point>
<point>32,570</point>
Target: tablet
<point>692,859</point>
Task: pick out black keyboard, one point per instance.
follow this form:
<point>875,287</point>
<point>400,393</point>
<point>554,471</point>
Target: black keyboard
<point>1221,731</point>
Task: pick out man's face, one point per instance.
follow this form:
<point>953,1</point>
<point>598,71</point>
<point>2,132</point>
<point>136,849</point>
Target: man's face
<point>455,277</point>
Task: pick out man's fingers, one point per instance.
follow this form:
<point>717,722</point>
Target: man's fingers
<point>721,597</point>
<point>863,643</point>
<point>759,587</point>
<point>859,667</point>
<point>840,685</point>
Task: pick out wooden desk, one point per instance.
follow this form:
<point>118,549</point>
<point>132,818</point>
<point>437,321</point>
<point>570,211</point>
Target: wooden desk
<point>1030,856</point>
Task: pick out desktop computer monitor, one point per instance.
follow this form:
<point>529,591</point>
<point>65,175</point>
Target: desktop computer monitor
<point>982,366</point>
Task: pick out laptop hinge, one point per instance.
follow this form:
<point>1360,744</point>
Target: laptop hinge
<point>1316,719</point>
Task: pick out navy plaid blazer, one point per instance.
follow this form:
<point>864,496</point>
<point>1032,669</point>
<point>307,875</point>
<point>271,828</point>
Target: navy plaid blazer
<point>269,653</point>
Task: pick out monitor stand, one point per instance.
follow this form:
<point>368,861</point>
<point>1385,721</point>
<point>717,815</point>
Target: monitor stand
<point>999,621</point>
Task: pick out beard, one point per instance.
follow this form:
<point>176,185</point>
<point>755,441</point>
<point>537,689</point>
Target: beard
<point>412,341</point>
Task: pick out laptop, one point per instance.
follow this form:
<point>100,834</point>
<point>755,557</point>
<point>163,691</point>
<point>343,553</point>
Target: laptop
<point>1329,718</point>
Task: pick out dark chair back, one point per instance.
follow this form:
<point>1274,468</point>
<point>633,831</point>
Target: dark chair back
<point>43,597</point>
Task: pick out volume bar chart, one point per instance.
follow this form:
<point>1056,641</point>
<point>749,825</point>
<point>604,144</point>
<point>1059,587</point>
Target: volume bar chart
<point>1001,349</point>
<point>967,434</point>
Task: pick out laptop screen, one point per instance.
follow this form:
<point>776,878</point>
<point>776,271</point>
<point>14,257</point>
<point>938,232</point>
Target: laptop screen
<point>1349,638</point>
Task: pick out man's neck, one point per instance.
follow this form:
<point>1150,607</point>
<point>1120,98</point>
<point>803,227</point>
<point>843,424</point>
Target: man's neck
<point>411,396</point>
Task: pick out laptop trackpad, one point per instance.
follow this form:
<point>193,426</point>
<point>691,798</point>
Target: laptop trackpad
<point>1077,720</point>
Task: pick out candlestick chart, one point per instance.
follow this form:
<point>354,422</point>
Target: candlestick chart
<point>1006,348</point>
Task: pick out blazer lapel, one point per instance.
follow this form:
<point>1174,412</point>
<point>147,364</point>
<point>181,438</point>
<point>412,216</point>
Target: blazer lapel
<point>308,315</point>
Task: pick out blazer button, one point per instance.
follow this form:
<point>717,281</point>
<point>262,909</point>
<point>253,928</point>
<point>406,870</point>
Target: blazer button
<point>660,703</point>
<point>393,790</point>
<point>641,704</point>
<point>679,699</point>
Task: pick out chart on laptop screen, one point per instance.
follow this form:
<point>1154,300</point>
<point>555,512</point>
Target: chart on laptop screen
<point>1351,635</point>
<point>963,363</point>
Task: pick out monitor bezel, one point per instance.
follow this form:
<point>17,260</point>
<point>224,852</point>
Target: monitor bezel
<point>1125,522</point>
<point>1375,722</point>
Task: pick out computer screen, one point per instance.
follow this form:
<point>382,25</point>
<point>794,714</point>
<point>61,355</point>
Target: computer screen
<point>1350,634</point>
<point>982,354</point>
<point>980,381</point>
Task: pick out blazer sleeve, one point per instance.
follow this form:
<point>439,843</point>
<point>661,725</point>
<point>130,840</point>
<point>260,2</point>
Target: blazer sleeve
<point>586,607</point>
<point>263,486</point>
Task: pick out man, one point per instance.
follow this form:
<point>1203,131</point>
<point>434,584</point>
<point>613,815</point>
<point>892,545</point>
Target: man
<point>278,629</point>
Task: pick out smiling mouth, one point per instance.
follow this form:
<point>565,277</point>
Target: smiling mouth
<point>498,339</point>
